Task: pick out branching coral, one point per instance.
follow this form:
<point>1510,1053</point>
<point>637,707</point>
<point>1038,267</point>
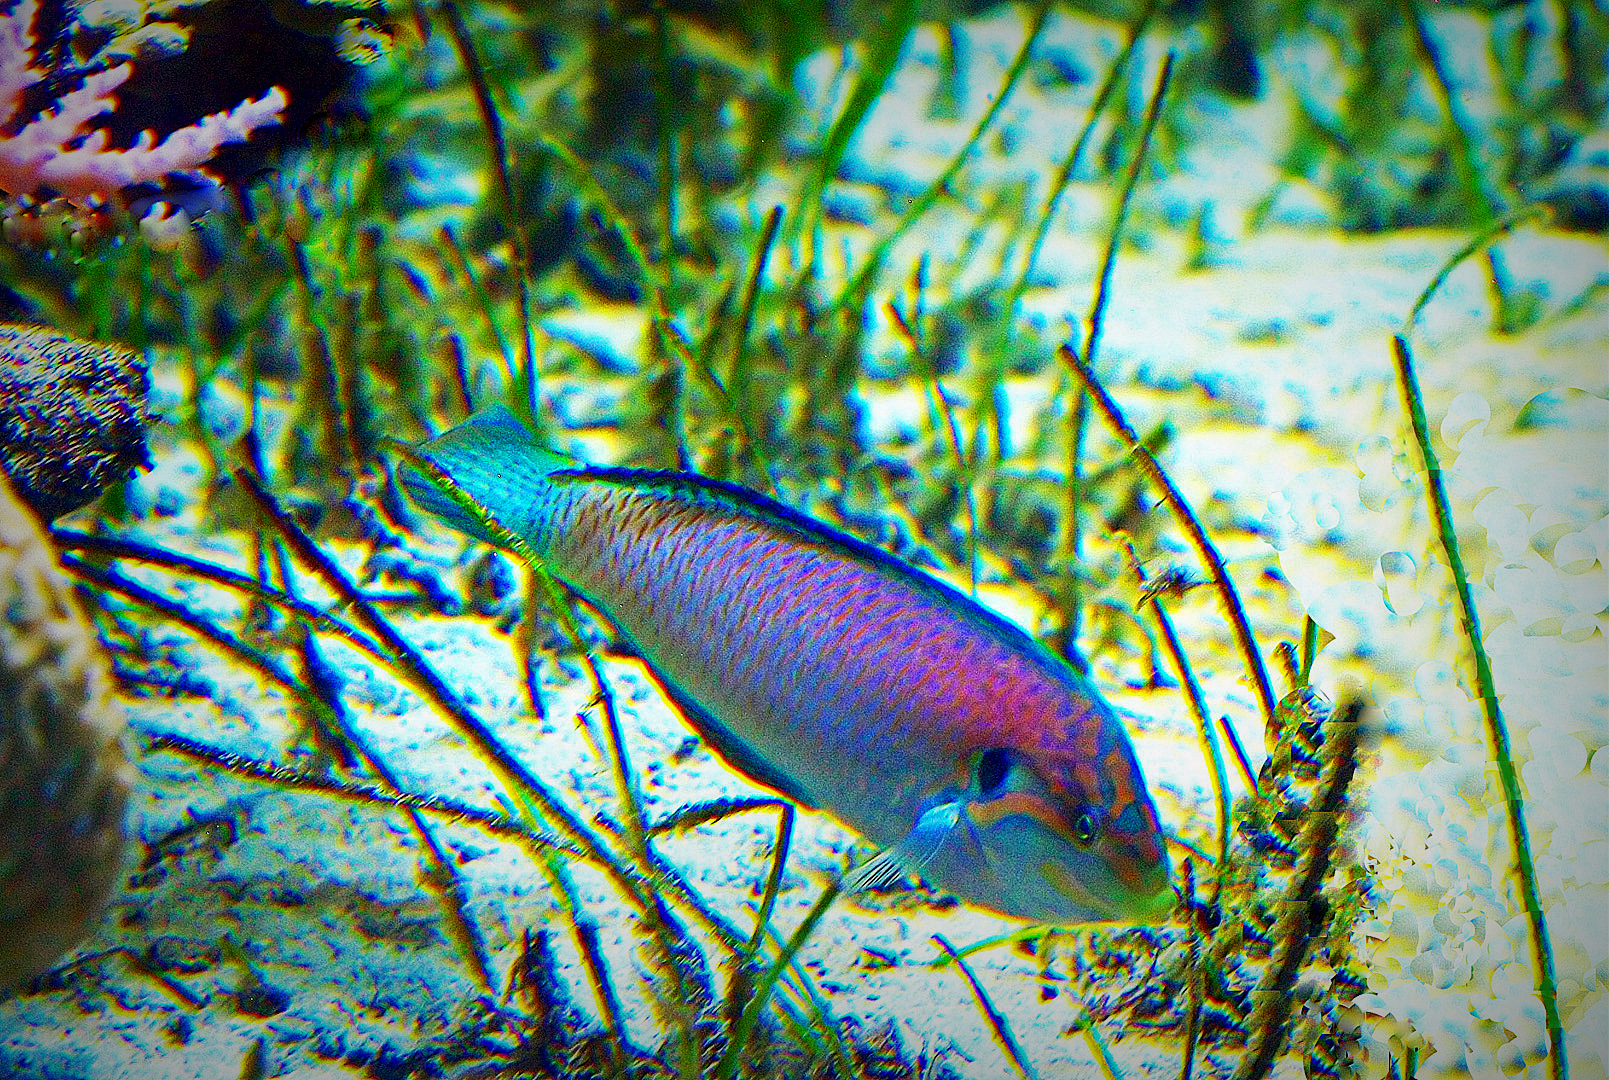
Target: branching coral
<point>56,151</point>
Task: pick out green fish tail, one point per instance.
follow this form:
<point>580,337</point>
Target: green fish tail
<point>489,478</point>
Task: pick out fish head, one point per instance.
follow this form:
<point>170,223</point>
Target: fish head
<point>486,478</point>
<point>1068,836</point>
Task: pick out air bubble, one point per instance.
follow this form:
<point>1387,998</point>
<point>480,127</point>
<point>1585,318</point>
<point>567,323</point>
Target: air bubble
<point>1436,679</point>
<point>1578,626</point>
<point>1377,460</point>
<point>1375,452</point>
<point>1575,553</point>
<point>1558,754</point>
<point>1326,514</point>
<point>1467,417</point>
<point>1507,527</point>
<point>1396,573</point>
<point>1312,507</point>
<point>1354,612</point>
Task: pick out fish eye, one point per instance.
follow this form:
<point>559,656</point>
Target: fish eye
<point>992,768</point>
<point>1085,826</point>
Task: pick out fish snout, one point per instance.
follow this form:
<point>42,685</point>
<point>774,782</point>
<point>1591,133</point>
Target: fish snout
<point>1137,855</point>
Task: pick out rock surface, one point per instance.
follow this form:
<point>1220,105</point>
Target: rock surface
<point>72,416</point>
<point>63,778</point>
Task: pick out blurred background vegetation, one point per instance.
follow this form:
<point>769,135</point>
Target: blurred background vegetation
<point>450,176</point>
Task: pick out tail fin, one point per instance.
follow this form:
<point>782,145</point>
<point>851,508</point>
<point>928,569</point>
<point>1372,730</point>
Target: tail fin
<point>492,462</point>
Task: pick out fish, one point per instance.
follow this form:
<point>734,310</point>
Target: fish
<point>832,672</point>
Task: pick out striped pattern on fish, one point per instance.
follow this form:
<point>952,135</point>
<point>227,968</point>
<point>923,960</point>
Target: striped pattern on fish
<point>830,670</point>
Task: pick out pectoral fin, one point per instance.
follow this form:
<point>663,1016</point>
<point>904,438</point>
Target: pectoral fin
<point>911,854</point>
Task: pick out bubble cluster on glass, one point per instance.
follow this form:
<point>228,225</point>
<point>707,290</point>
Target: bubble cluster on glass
<point>1449,952</point>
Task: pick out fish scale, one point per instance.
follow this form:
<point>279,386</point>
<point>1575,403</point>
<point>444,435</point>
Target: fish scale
<point>824,667</point>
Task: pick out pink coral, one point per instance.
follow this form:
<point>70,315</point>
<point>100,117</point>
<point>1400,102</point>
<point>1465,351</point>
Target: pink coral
<point>55,150</point>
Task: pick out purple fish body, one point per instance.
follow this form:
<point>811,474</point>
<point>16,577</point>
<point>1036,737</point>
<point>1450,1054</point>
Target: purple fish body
<point>829,670</point>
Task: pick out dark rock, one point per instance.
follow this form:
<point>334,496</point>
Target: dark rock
<point>72,417</point>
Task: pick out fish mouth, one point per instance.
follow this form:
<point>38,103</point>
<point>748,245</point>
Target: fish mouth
<point>1157,908</point>
<point>1144,877</point>
<point>1115,880</point>
<point>1113,898</point>
<point>427,485</point>
<point>1070,885</point>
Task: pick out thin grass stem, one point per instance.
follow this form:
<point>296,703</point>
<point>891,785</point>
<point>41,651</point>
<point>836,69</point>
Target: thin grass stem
<point>742,983</point>
<point>1015,937</point>
<point>460,259</point>
<point>672,884</point>
<point>1103,1053</point>
<point>1131,179</point>
<point>1069,164</point>
<point>1480,194</point>
<point>558,875</point>
<point>884,44</point>
<point>492,121</point>
<point>1486,686</point>
<point>773,881</point>
<point>113,582</point>
<point>252,438</point>
<point>736,407</point>
<point>1192,1019</point>
<point>460,372</point>
<point>1256,669</point>
<point>1539,213</point>
<point>1309,653</point>
<point>603,988</point>
<point>653,277</point>
<point>664,97</point>
<point>1242,762</point>
<point>1072,519</point>
<point>811,995</point>
<point>737,394</point>
<point>751,295</point>
<point>612,216</point>
<point>386,797</point>
<point>860,284</point>
<point>909,328</point>
<point>963,478</point>
<point>317,360</point>
<point>121,548</point>
<point>1466,166</point>
<point>738,1038</point>
<point>526,644</point>
<point>998,1024</point>
<point>625,778</point>
<point>1210,749</point>
<point>592,961</point>
<point>704,813</point>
